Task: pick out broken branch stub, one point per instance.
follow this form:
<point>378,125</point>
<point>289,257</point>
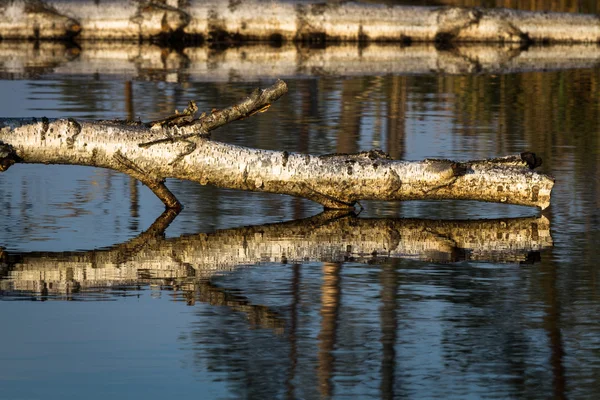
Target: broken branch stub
<point>335,181</point>
<point>257,102</point>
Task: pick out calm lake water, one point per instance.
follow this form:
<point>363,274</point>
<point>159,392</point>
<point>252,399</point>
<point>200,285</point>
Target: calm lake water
<point>248,295</point>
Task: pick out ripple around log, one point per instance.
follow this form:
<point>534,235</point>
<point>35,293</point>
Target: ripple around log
<point>98,60</point>
<point>187,262</point>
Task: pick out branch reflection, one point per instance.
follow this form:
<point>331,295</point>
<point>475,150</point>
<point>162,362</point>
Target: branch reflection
<point>331,236</point>
<point>319,325</point>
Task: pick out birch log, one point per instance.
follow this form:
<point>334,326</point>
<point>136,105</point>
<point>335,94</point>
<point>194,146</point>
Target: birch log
<point>327,237</point>
<point>285,21</point>
<point>153,153</point>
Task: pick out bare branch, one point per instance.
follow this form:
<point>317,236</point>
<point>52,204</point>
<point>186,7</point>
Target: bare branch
<point>335,181</point>
<point>258,101</point>
<point>155,184</point>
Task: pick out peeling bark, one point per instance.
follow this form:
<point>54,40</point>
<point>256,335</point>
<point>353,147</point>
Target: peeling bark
<point>220,21</point>
<point>327,237</point>
<point>154,153</point>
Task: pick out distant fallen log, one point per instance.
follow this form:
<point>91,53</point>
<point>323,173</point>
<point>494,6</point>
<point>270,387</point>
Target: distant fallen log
<point>179,147</point>
<point>219,21</point>
<point>145,61</point>
<point>331,236</point>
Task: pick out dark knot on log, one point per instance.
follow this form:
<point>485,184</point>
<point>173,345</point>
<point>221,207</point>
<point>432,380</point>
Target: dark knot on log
<point>531,159</point>
<point>8,156</point>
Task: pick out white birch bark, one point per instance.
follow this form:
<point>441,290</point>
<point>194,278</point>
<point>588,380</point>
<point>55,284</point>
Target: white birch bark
<point>286,21</point>
<point>335,181</point>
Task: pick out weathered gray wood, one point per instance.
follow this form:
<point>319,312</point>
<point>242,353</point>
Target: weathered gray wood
<point>152,154</point>
<point>286,21</point>
<point>327,237</point>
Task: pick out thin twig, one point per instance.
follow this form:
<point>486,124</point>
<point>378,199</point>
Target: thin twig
<point>259,101</point>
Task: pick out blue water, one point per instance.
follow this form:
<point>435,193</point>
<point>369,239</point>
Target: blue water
<point>379,327</point>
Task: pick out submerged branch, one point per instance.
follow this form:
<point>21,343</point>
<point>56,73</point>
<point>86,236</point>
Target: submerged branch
<point>335,181</point>
<point>220,21</point>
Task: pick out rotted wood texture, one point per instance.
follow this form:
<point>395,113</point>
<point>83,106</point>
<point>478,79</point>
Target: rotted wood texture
<point>239,20</point>
<point>331,236</point>
<point>155,151</point>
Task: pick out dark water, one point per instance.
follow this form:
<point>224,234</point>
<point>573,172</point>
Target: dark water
<point>243,295</point>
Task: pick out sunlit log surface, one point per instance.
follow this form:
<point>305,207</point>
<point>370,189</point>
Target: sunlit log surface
<point>100,60</point>
<point>153,153</point>
<point>327,237</point>
<point>285,21</point>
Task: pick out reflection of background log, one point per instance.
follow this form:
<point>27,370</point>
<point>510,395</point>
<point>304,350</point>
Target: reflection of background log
<point>21,60</point>
<point>187,259</point>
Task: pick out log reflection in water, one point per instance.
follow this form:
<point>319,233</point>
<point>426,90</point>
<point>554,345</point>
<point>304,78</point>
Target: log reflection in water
<point>330,236</point>
<point>25,60</point>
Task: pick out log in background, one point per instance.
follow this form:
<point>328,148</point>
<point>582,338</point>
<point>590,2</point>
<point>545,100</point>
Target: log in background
<point>232,21</point>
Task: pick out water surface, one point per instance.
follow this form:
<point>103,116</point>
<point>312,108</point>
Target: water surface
<point>261,314</point>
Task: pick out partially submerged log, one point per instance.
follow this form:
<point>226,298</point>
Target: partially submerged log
<point>219,21</point>
<point>179,147</point>
<point>331,236</point>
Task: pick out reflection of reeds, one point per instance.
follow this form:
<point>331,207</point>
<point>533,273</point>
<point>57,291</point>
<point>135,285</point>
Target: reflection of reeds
<point>325,237</point>
<point>248,63</point>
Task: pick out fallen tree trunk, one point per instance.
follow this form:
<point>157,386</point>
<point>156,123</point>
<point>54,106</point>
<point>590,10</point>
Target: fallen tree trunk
<point>179,147</point>
<point>101,60</point>
<point>285,21</point>
<point>328,237</point>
